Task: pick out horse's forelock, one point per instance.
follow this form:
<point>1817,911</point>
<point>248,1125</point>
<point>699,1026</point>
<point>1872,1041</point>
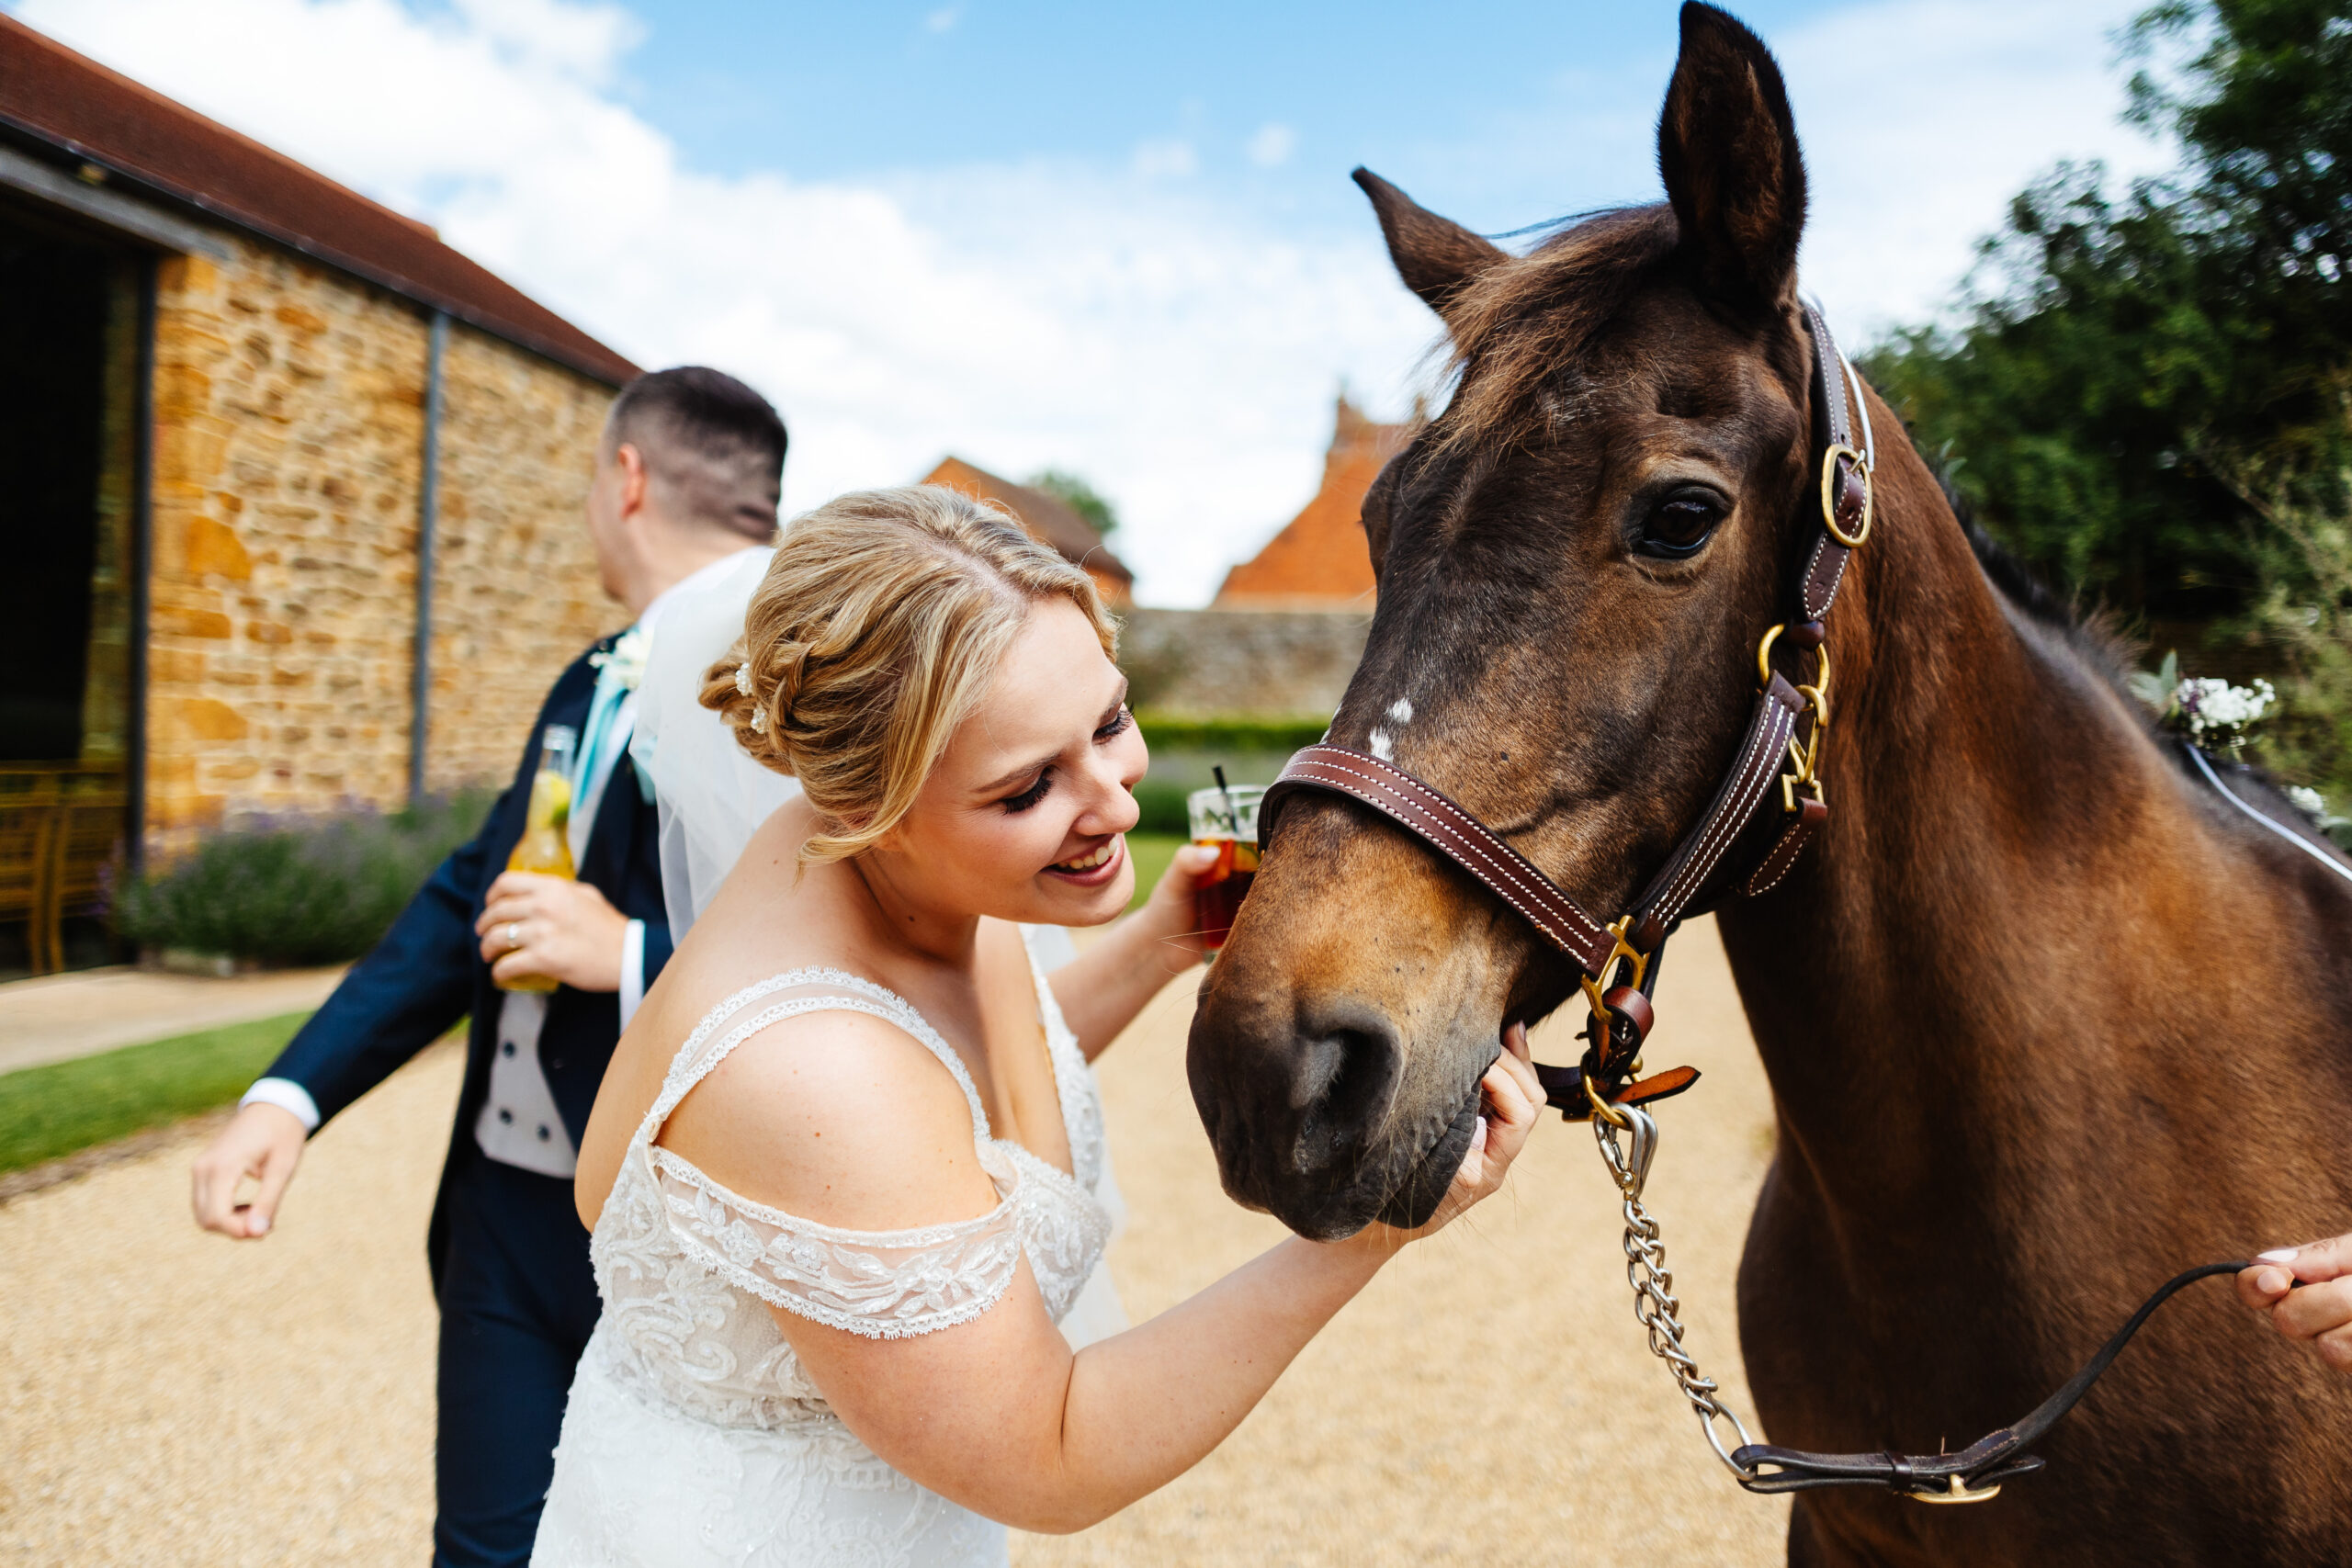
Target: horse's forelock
<point>1518,326</point>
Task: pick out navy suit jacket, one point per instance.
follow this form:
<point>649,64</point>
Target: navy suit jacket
<point>428,972</point>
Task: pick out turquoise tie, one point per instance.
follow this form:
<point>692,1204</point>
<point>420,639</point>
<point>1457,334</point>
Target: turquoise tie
<point>596,740</point>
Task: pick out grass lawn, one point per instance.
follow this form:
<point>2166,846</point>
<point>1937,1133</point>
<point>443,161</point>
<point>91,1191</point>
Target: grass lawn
<point>1151,853</point>
<point>49,1112</point>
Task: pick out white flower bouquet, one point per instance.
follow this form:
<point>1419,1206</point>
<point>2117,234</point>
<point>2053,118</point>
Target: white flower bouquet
<point>2212,713</point>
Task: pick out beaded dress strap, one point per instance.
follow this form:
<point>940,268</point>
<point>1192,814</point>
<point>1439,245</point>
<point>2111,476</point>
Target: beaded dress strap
<point>698,1056</point>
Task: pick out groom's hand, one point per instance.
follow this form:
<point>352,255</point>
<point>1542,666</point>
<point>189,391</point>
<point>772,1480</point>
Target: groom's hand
<point>264,1142</point>
<point>554,927</point>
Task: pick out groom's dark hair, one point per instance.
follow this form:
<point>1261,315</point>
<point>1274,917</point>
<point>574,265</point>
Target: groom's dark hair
<point>714,447</point>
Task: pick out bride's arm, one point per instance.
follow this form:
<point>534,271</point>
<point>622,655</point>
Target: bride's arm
<point>1104,987</point>
<point>996,1413</point>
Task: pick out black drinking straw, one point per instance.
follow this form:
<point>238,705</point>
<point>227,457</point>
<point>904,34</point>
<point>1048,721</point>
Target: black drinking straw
<point>1232,816</point>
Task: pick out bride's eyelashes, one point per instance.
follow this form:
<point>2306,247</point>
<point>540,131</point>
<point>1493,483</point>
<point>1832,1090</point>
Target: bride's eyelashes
<point>1015,803</point>
<point>1036,792</point>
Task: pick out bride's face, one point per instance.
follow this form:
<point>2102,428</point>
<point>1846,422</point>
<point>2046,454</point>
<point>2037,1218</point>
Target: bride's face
<point>1025,817</point>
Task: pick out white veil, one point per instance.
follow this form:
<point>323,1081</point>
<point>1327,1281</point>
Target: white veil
<point>710,795</point>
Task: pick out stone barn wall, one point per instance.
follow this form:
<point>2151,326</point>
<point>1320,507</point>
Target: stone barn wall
<point>516,597</point>
<point>1235,663</point>
<point>288,452</point>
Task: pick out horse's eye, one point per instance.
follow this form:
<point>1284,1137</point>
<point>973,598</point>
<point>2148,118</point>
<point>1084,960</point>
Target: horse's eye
<point>1680,524</point>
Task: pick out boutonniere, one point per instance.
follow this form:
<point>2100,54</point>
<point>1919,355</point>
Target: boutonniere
<point>626,657</point>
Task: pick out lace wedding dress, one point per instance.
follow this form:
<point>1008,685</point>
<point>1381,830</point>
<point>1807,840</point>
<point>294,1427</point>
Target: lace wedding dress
<point>693,1437</point>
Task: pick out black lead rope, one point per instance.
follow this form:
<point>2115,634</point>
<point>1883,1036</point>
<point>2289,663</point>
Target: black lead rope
<point>1975,1472</point>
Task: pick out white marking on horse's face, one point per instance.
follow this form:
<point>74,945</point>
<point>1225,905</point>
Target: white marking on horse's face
<point>1401,710</point>
<point>1384,745</point>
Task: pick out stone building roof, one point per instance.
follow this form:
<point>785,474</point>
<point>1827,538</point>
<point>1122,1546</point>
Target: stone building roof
<point>1319,561</point>
<point>1049,519</point>
<point>69,109</point>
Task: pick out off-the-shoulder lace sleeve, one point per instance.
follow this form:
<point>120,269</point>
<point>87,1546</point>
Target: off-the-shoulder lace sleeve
<point>881,1284</point>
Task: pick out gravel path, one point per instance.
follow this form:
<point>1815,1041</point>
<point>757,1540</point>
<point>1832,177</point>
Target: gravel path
<point>171,1397</point>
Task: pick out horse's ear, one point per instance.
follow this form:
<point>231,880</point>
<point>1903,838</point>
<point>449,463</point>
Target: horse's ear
<point>1727,146</point>
<point>1434,256</point>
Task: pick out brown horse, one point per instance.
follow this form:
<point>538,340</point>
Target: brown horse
<point>2045,1019</point>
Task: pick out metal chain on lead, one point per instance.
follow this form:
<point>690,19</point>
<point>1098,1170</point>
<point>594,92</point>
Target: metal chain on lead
<point>1655,1303</point>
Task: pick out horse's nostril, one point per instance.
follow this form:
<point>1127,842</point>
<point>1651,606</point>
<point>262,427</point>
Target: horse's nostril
<point>1347,1076</point>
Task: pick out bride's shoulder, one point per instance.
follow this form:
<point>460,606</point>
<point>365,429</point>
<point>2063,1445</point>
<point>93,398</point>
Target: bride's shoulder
<point>836,1116</point>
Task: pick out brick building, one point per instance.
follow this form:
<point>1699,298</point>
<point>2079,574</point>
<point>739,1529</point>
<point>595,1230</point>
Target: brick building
<point>1319,561</point>
<point>297,511</point>
<point>1049,519</point>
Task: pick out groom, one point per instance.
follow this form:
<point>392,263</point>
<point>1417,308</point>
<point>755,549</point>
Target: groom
<point>688,474</point>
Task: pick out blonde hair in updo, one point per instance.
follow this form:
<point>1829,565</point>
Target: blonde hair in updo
<point>875,633</point>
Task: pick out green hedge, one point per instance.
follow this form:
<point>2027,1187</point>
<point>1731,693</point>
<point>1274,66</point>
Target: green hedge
<point>316,891</point>
<point>1283,735</point>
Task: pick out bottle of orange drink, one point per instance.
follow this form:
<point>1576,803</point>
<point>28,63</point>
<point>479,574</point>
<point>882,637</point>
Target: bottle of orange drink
<point>546,845</point>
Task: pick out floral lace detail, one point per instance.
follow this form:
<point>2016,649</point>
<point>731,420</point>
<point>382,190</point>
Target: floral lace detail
<point>683,1265</point>
<point>882,1286</point>
<point>693,1436</point>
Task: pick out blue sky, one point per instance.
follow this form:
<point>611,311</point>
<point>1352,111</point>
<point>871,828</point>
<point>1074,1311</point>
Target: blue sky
<point>1113,239</point>
<point>850,91</point>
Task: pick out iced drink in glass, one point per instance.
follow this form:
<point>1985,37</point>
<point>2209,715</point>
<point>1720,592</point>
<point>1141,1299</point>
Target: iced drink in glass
<point>1226,820</point>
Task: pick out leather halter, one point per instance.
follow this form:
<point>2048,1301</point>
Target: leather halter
<point>1616,957</point>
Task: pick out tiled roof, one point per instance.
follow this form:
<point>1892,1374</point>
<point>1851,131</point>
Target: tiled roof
<point>1320,560</point>
<point>73,110</point>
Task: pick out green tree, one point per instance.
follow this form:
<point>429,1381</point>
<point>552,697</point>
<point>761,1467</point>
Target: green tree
<point>1079,496</point>
<point>2108,345</point>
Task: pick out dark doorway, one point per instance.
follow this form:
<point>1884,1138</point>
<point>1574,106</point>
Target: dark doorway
<point>70,359</point>
<point>68,331</point>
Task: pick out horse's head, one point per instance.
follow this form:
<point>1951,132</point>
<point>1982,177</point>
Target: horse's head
<point>1576,560</point>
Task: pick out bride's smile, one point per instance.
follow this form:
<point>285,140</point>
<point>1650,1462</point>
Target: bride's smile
<point>1096,866</point>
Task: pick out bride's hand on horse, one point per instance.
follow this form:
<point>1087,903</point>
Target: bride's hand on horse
<point>2320,1314</point>
<point>551,928</point>
<point>1511,1098</point>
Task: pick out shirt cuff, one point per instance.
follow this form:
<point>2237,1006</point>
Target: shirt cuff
<point>287,1095</point>
<point>632,971</point>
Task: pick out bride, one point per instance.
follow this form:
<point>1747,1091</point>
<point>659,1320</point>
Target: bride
<point>841,1173</point>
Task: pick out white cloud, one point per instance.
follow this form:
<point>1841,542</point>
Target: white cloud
<point>1181,356</point>
<point>1920,119</point>
<point>1166,158</point>
<point>1121,321</point>
<point>1273,145</point>
<point>943,19</point>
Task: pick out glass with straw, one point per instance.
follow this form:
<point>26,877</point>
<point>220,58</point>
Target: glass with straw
<point>1224,819</point>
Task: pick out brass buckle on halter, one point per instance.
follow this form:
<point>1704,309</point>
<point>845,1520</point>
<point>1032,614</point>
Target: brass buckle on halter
<point>1594,989</point>
<point>1806,756</point>
<point>1829,496</point>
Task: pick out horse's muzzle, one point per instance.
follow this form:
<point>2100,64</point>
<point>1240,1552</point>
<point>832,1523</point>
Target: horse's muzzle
<point>1314,1120</point>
